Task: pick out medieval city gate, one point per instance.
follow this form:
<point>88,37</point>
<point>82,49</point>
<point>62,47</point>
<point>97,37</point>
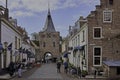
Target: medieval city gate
<point>49,40</point>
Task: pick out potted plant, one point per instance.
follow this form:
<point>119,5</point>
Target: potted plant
<point>84,73</point>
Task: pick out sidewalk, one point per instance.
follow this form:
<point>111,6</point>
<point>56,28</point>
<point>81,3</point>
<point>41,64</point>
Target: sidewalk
<point>69,76</point>
<point>7,76</point>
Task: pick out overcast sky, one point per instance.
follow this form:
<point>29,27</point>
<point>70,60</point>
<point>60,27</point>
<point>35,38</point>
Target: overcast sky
<point>31,14</point>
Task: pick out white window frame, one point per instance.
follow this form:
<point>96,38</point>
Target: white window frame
<point>100,33</point>
<point>97,56</point>
<point>83,35</point>
<point>105,15</point>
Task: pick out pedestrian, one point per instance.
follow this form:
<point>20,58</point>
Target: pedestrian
<point>58,66</point>
<point>79,72</point>
<point>11,68</point>
<point>20,70</point>
<point>42,60</point>
<point>65,67</point>
<point>95,72</point>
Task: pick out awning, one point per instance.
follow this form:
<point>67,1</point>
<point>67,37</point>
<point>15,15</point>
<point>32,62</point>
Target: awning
<point>1,47</point>
<point>112,63</point>
<point>65,55</point>
<point>78,48</point>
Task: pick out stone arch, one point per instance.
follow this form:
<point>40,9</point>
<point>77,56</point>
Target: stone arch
<point>49,57</point>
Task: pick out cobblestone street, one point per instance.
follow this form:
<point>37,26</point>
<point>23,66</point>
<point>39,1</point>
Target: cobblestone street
<point>47,72</point>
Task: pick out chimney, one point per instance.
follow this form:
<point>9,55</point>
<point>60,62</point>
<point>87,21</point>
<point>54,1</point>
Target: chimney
<point>6,14</point>
<point>82,21</point>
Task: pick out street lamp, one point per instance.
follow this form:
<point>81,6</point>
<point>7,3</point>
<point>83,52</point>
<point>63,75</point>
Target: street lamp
<point>5,53</point>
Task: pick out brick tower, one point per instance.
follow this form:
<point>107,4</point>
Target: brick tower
<point>49,39</point>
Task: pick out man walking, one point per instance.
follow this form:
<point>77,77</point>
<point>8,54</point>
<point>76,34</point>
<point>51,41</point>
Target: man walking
<point>58,66</point>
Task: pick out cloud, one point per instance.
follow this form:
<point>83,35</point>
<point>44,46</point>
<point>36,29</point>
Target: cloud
<point>21,14</point>
<point>33,6</point>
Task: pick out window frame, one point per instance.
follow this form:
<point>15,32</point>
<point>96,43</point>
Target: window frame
<point>106,16</point>
<point>54,44</point>
<point>83,36</point>
<point>94,33</point>
<point>44,44</point>
<point>94,56</point>
<point>111,2</point>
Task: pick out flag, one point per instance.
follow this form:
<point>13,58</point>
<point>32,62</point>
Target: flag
<point>16,53</point>
<point>10,47</point>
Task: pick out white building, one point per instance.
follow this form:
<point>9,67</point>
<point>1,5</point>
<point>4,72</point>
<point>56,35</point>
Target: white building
<point>78,41</point>
<point>9,34</point>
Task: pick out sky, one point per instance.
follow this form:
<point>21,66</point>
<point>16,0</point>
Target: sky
<point>31,14</point>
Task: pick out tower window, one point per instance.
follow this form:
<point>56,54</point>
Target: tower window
<point>53,44</point>
<point>44,44</point>
<point>111,2</point>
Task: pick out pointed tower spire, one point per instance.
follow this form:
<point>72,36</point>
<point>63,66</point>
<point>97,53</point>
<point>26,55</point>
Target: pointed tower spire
<point>49,26</point>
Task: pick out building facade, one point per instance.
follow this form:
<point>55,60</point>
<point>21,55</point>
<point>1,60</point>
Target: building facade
<point>100,40</point>
<point>103,29</point>
<point>49,40</point>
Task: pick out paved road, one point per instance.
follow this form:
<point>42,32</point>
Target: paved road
<point>45,72</point>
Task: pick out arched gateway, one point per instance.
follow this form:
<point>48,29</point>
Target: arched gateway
<point>49,39</point>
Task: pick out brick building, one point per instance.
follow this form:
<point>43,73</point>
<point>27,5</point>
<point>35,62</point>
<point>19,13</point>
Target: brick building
<point>49,40</point>
<point>103,32</point>
<point>99,33</point>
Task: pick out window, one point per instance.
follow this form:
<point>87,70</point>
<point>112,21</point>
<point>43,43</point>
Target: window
<point>15,42</point>
<point>97,32</point>
<point>111,2</point>
<point>83,36</point>
<point>107,16</point>
<point>44,44</point>
<point>96,60</point>
<point>78,39</point>
<point>53,44</point>
<point>19,43</point>
<point>97,56</point>
<point>97,52</point>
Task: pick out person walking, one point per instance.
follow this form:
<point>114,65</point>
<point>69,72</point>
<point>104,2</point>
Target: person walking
<point>11,68</point>
<point>95,73</point>
<point>65,67</point>
<point>58,66</point>
<point>20,70</point>
<point>79,72</point>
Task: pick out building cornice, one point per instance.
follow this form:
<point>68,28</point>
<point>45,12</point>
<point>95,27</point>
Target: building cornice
<point>10,25</point>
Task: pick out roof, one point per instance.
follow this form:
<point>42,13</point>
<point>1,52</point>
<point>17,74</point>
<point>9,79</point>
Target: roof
<point>49,26</point>
<point>112,63</point>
